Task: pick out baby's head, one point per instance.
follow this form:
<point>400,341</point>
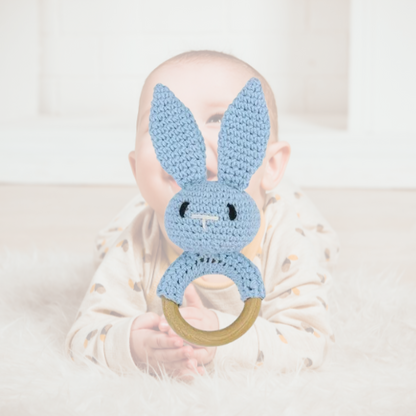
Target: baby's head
<point>206,82</point>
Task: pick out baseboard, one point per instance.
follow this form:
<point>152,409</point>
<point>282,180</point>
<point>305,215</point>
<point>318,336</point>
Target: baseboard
<point>94,152</point>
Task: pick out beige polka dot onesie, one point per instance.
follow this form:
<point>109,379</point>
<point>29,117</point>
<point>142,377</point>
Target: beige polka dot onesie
<point>294,249</point>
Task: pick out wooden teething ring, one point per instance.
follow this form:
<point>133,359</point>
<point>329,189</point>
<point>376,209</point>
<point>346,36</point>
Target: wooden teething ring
<point>211,338</point>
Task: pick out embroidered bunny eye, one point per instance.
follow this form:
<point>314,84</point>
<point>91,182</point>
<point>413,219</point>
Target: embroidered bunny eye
<point>232,213</point>
<point>183,209</point>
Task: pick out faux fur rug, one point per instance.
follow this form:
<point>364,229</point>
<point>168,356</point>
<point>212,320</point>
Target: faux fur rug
<point>371,371</point>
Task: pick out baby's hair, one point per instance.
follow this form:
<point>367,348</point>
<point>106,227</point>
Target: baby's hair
<point>201,55</point>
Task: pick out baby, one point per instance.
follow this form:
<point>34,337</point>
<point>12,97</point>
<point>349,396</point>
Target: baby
<point>120,323</point>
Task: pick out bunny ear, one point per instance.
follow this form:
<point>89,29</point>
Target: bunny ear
<point>178,143</point>
<point>243,137</point>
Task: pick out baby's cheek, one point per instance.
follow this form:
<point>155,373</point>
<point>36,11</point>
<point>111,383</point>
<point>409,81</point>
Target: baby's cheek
<point>146,161</point>
<point>150,177</point>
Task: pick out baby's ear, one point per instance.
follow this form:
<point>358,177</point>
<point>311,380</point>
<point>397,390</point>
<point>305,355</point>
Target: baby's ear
<point>178,143</point>
<point>243,137</point>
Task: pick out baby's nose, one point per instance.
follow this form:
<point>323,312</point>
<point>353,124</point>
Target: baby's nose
<point>205,218</point>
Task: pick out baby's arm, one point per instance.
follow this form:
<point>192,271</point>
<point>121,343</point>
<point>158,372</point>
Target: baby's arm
<point>150,346</point>
<point>293,327</point>
<point>199,317</point>
<point>109,234</point>
<point>113,328</point>
<point>312,223</point>
<point>113,300</point>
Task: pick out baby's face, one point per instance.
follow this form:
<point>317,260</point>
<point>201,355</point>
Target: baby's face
<point>207,89</point>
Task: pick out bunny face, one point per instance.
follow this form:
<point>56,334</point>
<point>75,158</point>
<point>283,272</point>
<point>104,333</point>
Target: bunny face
<point>212,217</point>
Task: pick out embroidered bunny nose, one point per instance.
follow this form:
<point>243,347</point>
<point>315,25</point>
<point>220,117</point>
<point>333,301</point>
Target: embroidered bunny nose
<point>205,218</point>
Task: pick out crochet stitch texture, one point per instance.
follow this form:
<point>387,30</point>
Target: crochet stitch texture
<point>190,266</point>
<point>239,147</point>
<point>211,220</point>
<point>221,235</point>
<point>176,138</point>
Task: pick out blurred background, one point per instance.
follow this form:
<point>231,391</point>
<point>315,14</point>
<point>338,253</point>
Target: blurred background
<point>343,73</point>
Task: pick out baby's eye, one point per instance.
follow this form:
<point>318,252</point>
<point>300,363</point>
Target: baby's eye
<point>183,209</point>
<point>232,213</point>
<point>216,118</point>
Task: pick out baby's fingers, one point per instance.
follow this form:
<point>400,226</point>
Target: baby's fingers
<point>189,372</point>
<point>196,323</point>
<point>163,325</point>
<point>201,354</point>
<point>148,320</point>
<point>165,355</point>
<point>188,375</point>
<point>166,329</point>
<point>187,364</point>
<point>162,340</point>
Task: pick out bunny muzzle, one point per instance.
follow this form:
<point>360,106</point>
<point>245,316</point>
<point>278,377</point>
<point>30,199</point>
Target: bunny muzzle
<point>211,218</point>
<point>205,218</point>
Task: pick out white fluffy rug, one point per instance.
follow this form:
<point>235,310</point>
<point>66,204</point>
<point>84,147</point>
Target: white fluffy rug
<point>371,371</point>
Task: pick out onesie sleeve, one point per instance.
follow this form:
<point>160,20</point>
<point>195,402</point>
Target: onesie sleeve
<point>312,223</point>
<point>293,328</point>
<point>101,332</point>
<point>109,234</point>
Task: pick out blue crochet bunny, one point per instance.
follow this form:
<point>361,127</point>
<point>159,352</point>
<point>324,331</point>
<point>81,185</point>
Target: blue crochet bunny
<point>212,221</point>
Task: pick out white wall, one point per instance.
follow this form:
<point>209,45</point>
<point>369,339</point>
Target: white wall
<point>383,66</point>
<point>96,53</point>
<point>19,59</point>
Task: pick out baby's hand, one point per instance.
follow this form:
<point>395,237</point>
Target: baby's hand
<point>148,344</point>
<point>199,317</point>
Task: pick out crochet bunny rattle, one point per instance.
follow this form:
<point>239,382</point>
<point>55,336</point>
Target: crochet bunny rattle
<point>212,221</point>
